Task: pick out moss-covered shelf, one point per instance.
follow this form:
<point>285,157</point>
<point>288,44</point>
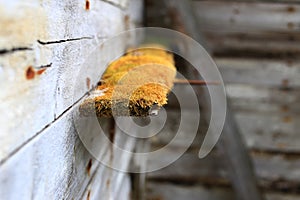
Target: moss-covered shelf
<point>133,84</point>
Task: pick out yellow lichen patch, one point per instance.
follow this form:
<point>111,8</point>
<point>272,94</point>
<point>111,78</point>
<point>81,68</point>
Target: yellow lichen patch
<point>154,50</point>
<point>133,84</point>
<point>128,62</point>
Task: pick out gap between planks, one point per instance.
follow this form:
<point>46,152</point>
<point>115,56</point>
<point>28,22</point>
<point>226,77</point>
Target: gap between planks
<point>16,150</point>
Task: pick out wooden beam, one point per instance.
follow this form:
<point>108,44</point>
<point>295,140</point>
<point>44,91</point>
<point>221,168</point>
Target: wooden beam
<point>273,170</point>
<point>237,17</point>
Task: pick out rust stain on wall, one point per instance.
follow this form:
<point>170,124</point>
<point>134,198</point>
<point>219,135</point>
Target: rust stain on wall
<point>176,20</point>
<point>285,108</point>
<point>30,73</point>
<point>285,85</point>
<point>291,9</point>
<point>290,25</point>
<point>88,83</point>
<point>127,21</point>
<point>87,4</point>
<point>281,145</point>
<point>88,197</point>
<point>287,119</point>
<point>107,183</point>
<point>39,72</point>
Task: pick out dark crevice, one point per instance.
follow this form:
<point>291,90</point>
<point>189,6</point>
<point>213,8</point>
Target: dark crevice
<point>287,154</point>
<point>254,53</point>
<point>255,1</point>
<point>44,66</point>
<point>271,185</point>
<point>114,4</point>
<point>17,149</point>
<point>190,181</point>
<point>62,41</point>
<point>15,49</point>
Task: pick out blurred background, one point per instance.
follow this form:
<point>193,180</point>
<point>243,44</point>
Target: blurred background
<point>52,56</point>
<point>255,45</point>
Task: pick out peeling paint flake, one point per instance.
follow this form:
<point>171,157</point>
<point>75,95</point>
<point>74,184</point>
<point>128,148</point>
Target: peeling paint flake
<point>122,4</point>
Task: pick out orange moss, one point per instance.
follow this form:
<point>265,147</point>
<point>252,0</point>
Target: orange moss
<point>134,83</point>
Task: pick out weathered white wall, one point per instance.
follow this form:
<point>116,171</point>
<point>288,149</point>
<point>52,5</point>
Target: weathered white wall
<point>44,45</point>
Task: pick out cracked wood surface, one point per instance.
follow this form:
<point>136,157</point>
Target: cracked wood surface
<point>31,100</point>
<point>47,52</point>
